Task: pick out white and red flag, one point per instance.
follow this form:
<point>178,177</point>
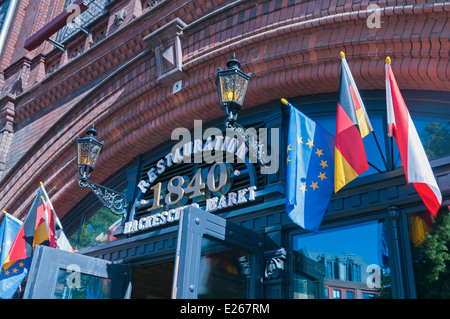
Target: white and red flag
<point>415,162</point>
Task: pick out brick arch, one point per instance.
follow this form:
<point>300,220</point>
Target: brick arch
<point>290,57</point>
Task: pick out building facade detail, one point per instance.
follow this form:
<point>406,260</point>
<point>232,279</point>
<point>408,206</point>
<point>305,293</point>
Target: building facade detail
<point>138,69</point>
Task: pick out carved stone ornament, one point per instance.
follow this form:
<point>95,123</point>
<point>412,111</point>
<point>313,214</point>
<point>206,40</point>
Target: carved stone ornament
<point>119,17</point>
<point>17,88</point>
<point>273,268</point>
<point>274,264</point>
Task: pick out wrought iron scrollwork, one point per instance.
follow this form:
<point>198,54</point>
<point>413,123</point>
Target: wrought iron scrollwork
<point>114,201</point>
<point>257,149</point>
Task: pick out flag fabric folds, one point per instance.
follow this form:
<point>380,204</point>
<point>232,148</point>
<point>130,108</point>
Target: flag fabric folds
<point>352,124</point>
<point>310,162</point>
<point>415,162</point>
<point>365,127</point>
<point>9,279</point>
<point>8,230</point>
<point>34,231</point>
<point>61,240</point>
<point>38,228</point>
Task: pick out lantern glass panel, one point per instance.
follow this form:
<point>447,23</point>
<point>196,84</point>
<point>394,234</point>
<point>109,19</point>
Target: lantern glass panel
<point>83,151</point>
<point>88,152</point>
<point>93,154</point>
<point>227,82</point>
<point>240,88</point>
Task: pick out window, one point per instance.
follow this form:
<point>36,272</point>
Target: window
<point>336,294</point>
<point>353,272</point>
<point>88,287</point>
<point>366,295</point>
<point>433,134</point>
<point>329,269</point>
<point>90,223</point>
<point>349,294</point>
<point>224,270</point>
<point>344,258</point>
<point>96,9</point>
<point>375,158</point>
<point>431,119</point>
<point>97,226</point>
<point>308,277</point>
<point>430,246</point>
<point>7,9</point>
<point>336,269</point>
<point>304,287</point>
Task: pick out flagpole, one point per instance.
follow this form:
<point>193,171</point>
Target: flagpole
<point>391,138</point>
<point>379,149</point>
<point>12,217</point>
<point>376,168</point>
<point>51,206</point>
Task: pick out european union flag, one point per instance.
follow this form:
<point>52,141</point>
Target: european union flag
<point>10,278</point>
<point>310,170</point>
<point>8,232</point>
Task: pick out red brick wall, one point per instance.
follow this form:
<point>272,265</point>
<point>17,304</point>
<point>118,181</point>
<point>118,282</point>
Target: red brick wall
<point>291,47</point>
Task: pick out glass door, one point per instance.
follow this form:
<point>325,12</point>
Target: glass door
<point>58,274</point>
<point>216,258</point>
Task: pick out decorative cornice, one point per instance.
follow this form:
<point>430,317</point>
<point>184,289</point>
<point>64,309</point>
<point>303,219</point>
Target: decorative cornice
<point>283,28</point>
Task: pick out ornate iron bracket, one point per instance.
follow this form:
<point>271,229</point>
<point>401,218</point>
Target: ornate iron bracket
<point>114,201</point>
<point>257,149</point>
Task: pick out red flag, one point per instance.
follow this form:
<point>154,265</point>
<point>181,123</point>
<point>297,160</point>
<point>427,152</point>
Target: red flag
<point>34,231</point>
<point>50,224</point>
<point>415,162</point>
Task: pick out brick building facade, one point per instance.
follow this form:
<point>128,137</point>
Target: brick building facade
<point>115,75</point>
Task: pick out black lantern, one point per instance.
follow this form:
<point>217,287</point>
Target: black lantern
<point>231,87</point>
<point>88,151</point>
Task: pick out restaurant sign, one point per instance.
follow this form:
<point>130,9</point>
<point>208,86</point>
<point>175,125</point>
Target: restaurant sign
<point>208,189</point>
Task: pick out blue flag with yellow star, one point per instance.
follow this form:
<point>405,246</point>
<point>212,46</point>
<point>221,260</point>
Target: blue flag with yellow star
<point>310,170</point>
<point>10,278</point>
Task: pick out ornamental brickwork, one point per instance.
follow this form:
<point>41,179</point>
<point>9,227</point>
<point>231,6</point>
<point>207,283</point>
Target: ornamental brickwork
<point>121,75</point>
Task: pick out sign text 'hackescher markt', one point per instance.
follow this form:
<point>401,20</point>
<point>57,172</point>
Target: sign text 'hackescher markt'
<point>179,189</point>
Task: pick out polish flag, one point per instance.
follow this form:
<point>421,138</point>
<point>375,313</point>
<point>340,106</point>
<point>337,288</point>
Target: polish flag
<point>415,162</point>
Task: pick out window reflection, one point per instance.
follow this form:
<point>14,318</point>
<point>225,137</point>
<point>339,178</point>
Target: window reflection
<point>224,271</point>
<point>97,229</point>
<point>345,263</point>
<point>96,226</point>
<point>433,134</point>
<point>376,159</point>
<point>73,285</point>
<point>430,246</point>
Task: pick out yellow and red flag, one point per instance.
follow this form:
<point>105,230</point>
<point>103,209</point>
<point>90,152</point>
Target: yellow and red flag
<point>352,124</point>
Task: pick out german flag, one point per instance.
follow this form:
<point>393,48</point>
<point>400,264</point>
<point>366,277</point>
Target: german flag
<point>352,124</point>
